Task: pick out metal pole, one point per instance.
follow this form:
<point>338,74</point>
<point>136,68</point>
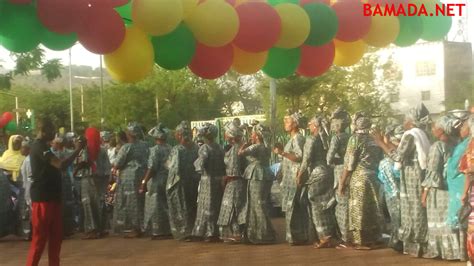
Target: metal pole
<point>82,103</point>
<point>70,91</point>
<point>157,106</point>
<point>17,114</point>
<point>273,107</point>
<point>101,94</point>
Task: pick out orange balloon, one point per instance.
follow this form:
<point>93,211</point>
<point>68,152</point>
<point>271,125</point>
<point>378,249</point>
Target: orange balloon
<point>246,63</point>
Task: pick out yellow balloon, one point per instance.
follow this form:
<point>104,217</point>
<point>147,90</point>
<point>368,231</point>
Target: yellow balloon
<point>214,23</point>
<point>246,63</point>
<point>134,59</point>
<point>383,31</point>
<point>188,7</point>
<point>295,25</point>
<point>239,2</point>
<point>349,53</point>
<point>157,17</point>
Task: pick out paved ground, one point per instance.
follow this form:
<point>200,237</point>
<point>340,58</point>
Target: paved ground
<point>118,251</point>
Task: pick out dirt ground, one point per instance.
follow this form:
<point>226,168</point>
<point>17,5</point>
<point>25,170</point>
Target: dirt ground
<point>119,251</point>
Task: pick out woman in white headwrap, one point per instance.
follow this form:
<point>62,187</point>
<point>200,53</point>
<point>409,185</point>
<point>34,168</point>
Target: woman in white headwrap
<point>410,157</point>
<point>443,242</point>
<point>154,185</point>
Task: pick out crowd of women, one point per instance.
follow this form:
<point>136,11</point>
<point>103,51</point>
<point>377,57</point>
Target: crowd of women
<point>344,185</point>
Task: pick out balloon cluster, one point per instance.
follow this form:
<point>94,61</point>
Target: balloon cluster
<point>279,37</point>
<point>7,123</point>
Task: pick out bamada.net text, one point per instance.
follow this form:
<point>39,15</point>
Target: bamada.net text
<point>409,9</point>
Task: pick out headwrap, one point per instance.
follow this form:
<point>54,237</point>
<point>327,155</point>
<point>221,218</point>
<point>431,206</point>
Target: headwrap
<point>341,118</point>
<point>159,132</point>
<point>262,131</point>
<point>11,160</point>
<point>298,118</point>
<point>460,116</point>
<point>445,123</point>
<point>322,123</point>
<point>395,131</point>
<point>420,115</point>
<point>105,135</point>
<point>362,121</point>
<point>208,130</point>
<point>233,129</point>
<point>135,129</point>
<point>184,128</point>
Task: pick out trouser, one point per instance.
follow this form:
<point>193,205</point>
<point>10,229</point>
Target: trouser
<point>46,221</point>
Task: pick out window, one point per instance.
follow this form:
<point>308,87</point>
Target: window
<point>425,68</point>
<point>394,97</point>
<point>425,95</point>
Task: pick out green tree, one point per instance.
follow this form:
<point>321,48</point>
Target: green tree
<point>27,62</point>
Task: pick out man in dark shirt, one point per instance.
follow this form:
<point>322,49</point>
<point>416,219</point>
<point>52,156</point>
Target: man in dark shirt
<point>46,218</point>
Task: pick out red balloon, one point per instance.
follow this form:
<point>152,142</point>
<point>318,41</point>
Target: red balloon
<point>304,2</point>
<point>102,30</point>
<point>383,2</point>
<point>93,143</point>
<point>353,25</point>
<point>61,16</point>
<point>7,116</point>
<point>212,62</point>
<point>316,60</point>
<point>260,27</point>
<point>3,122</point>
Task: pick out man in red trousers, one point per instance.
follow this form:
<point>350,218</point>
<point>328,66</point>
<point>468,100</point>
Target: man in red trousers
<point>46,217</point>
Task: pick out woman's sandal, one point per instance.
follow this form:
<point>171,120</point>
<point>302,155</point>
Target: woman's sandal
<point>327,243</point>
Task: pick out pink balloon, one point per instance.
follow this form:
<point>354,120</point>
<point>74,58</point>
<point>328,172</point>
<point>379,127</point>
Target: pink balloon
<point>353,25</point>
<point>102,30</point>
<point>316,60</point>
<point>260,27</point>
<point>212,62</point>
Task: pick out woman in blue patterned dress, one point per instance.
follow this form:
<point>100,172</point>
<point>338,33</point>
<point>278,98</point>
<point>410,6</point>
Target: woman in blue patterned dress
<point>230,216</point>
<point>295,206</point>
<point>131,164</point>
<point>154,186</point>
<point>182,183</point>
<point>210,164</point>
<point>256,214</point>
<point>443,242</point>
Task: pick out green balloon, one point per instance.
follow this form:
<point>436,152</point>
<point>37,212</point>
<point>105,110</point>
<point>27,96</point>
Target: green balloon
<point>125,12</point>
<point>411,28</point>
<point>282,63</point>
<point>435,27</point>
<point>58,42</point>
<point>11,126</point>
<point>175,50</point>
<point>277,2</point>
<point>21,29</point>
<point>324,24</point>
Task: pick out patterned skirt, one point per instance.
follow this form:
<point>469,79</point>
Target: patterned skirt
<point>321,203</point>
<point>414,224</point>
<point>156,208</point>
<point>230,215</point>
<point>209,203</point>
<point>443,241</point>
<point>259,228</point>
<point>129,204</point>
<point>91,204</point>
<point>298,221</point>
<point>342,207</point>
<point>393,206</point>
<point>365,216</point>
<point>181,198</point>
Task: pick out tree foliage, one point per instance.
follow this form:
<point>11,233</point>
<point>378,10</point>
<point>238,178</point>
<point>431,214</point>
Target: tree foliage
<point>27,62</point>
